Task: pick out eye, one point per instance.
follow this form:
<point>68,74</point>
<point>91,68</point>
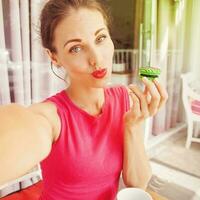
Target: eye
<point>75,49</point>
<point>101,38</point>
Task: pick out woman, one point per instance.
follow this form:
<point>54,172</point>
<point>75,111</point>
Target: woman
<point>85,135</point>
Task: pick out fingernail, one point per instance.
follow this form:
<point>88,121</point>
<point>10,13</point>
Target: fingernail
<point>144,78</point>
<point>156,79</point>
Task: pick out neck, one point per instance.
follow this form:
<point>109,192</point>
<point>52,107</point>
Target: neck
<point>87,98</point>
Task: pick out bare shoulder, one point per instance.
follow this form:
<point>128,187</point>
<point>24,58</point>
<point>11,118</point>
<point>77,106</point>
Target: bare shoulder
<point>49,111</point>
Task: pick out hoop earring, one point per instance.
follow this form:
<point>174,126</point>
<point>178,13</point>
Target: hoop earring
<point>57,74</point>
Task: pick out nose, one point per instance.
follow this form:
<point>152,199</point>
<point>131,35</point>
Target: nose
<point>95,58</point>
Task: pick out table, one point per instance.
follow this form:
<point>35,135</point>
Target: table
<point>155,195</point>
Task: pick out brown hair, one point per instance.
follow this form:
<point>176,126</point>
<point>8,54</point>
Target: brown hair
<point>55,10</point>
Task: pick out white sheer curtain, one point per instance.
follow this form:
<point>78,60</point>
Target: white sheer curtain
<point>162,36</point>
<point>25,67</point>
<point>176,33</point>
<point>191,59</point>
<point>25,75</point>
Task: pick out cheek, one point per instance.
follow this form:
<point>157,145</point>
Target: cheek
<point>109,52</point>
<point>76,65</point>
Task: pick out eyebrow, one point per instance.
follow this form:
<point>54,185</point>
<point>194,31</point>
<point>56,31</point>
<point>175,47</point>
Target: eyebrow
<point>79,40</point>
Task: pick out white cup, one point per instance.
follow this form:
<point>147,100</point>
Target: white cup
<point>133,194</point>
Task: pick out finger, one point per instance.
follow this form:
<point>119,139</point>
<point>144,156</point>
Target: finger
<point>135,109</point>
<point>155,96</point>
<point>146,90</point>
<point>147,95</point>
<point>163,93</point>
<point>142,100</point>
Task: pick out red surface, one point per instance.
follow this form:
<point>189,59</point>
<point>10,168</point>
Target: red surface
<point>31,193</point>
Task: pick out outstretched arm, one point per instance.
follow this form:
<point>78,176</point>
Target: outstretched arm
<point>25,139</point>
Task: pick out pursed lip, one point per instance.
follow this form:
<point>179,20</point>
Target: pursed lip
<point>99,73</point>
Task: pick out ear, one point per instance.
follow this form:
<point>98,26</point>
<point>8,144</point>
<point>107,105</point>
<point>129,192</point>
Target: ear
<point>53,58</point>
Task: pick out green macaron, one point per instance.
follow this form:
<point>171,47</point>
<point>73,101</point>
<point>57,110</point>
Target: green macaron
<point>149,72</point>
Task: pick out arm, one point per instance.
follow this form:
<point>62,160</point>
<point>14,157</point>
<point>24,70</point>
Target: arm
<point>25,139</point>
<point>136,167</point>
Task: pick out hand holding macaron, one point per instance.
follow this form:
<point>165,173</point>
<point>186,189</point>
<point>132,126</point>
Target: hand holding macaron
<point>148,102</point>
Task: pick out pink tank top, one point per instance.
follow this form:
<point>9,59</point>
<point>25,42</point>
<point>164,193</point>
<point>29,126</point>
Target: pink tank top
<point>85,162</point>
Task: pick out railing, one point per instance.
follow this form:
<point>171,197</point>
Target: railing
<point>125,61</point>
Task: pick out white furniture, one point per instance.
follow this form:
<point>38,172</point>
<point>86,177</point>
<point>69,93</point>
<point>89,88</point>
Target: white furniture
<point>191,97</point>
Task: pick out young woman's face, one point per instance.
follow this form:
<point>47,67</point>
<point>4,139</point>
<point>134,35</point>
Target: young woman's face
<point>83,46</point>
